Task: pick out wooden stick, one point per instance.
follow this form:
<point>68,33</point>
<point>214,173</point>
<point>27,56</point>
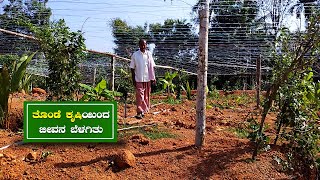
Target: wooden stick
<point>134,127</point>
<point>258,81</point>
<point>18,34</point>
<point>157,104</point>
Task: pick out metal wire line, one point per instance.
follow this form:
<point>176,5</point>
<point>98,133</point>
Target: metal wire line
<point>231,56</point>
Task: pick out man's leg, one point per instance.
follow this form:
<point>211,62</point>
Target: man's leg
<point>139,97</point>
<point>147,95</point>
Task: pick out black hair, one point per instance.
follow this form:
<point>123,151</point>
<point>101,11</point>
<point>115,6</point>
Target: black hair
<point>141,40</point>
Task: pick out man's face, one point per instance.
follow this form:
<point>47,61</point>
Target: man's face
<point>143,46</point>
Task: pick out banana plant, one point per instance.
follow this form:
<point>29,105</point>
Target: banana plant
<point>4,93</point>
<point>26,83</point>
<point>11,81</point>
<point>98,93</point>
<point>167,82</point>
<point>19,71</point>
<point>188,90</point>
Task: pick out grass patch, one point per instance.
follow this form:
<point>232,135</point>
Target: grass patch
<point>222,106</point>
<point>158,134</point>
<point>240,133</point>
<point>171,100</point>
<point>152,133</point>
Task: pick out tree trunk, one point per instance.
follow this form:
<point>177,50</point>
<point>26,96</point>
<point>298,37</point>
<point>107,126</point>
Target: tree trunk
<point>202,73</point>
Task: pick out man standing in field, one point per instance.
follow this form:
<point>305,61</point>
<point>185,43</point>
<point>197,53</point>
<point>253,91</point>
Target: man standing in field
<point>143,74</point>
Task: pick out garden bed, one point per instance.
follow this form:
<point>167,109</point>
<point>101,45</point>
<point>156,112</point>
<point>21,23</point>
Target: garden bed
<point>164,151</point>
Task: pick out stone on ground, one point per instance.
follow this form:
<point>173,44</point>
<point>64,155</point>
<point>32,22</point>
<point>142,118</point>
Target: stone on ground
<point>125,159</point>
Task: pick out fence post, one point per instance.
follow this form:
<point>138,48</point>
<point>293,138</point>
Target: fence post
<point>113,59</point>
<point>94,76</point>
<point>202,73</point>
<point>258,80</point>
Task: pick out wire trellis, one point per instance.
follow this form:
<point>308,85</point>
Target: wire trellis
<point>232,51</point>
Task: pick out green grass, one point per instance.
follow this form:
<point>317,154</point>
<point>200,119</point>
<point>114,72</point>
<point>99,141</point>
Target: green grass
<point>153,134</point>
<point>171,100</point>
<point>241,133</point>
<point>159,135</point>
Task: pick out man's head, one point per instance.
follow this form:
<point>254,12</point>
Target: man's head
<point>143,45</point>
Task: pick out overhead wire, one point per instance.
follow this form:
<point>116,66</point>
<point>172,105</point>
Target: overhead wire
<point>239,45</point>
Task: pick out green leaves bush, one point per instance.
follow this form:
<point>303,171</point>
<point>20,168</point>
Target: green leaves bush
<point>98,93</point>
<point>298,102</point>
<point>64,50</point>
<point>168,85</point>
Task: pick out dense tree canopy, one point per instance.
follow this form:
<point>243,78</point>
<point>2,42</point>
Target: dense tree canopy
<point>34,11</point>
<point>174,40</point>
<point>126,37</point>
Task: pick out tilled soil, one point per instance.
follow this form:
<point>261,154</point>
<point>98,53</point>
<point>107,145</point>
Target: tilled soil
<point>224,156</point>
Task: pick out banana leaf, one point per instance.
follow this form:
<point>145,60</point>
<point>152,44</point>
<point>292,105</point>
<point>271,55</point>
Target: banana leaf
<point>101,86</point>
<point>86,87</point>
<point>19,72</point>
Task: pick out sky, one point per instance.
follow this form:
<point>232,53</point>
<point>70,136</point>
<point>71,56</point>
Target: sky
<point>94,17</point>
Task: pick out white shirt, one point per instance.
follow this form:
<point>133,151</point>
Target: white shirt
<point>140,63</point>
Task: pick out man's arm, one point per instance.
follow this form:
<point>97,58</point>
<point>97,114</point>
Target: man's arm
<point>132,67</point>
<point>133,77</point>
<point>153,81</point>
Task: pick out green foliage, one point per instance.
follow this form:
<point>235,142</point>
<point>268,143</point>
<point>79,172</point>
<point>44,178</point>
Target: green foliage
<point>167,82</point>
<point>158,134</point>
<point>124,83</point>
<point>232,18</point>
<point>243,99</point>
<point>154,133</point>
<point>253,127</point>
<point>240,132</point>
<point>64,50</point>
<point>26,83</point>
<point>171,100</point>
<point>298,102</point>
<point>38,81</point>
<point>214,93</point>
<point>45,155</point>
<point>11,82</point>
<point>182,79</point>
<point>226,86</point>
<point>8,60</point>
<point>211,83</point>
<point>19,71</point>
<point>126,37</point>
<point>285,165</point>
<point>249,129</point>
<point>175,42</point>
<point>188,91</point>
<point>98,93</point>
<point>33,11</point>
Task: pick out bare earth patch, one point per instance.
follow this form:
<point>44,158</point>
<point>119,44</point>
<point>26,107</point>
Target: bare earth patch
<point>224,156</point>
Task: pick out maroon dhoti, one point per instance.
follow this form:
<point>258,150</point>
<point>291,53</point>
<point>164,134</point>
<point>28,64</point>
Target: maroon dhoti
<point>143,90</point>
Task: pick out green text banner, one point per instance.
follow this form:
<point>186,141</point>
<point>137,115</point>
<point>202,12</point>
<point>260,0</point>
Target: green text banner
<point>70,121</point>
